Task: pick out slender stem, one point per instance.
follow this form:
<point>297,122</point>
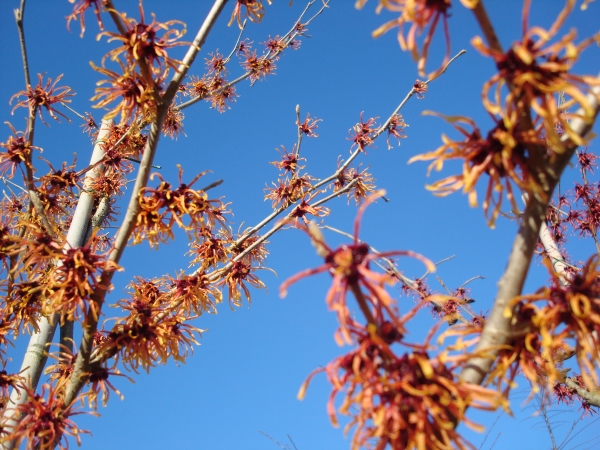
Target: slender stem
<point>279,225</point>
<point>235,47</point>
<point>19,16</point>
<point>362,303</point>
<point>486,26</point>
<point>299,144</point>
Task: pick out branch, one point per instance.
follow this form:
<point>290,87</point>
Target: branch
<point>593,398</point>
<point>287,38</point>
<point>384,127</point>
<point>36,355</point>
<point>90,325</point>
<point>19,15</point>
<point>497,330</point>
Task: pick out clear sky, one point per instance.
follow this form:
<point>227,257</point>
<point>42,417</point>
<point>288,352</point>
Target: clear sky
<point>245,376</point>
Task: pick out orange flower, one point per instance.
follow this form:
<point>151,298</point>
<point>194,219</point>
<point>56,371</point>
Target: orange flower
<point>79,10</point>
<point>537,70</point>
<point>18,150</point>
<point>193,294</point>
<point>136,94</point>
<point>163,207</point>
<point>289,160</point>
<point>407,401</point>
<point>420,14</point>
<point>45,418</point>
<point>363,183</point>
<point>568,311</point>
<point>152,332</point>
<point>501,155</point>
<point>74,280</point>
<point>288,190</point>
<point>308,126</point>
<point>349,265</point>
<point>44,97</point>
<point>253,10</point>
<point>237,278</point>
<point>141,41</point>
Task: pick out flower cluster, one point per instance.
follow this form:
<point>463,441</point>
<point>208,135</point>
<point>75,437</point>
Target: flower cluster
<point>408,400</point>
<point>214,87</point>
<point>44,97</point>
<point>143,60</point>
<point>501,155</point>
<point>562,315</point>
<point>163,207</point>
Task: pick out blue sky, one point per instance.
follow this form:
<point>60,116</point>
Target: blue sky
<point>247,372</point>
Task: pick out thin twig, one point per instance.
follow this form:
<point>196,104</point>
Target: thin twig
<point>19,16</point>
<point>235,47</point>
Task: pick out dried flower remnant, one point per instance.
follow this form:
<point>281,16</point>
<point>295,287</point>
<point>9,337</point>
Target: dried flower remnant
<point>420,89</point>
<point>420,14</point>
<point>44,97</point>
